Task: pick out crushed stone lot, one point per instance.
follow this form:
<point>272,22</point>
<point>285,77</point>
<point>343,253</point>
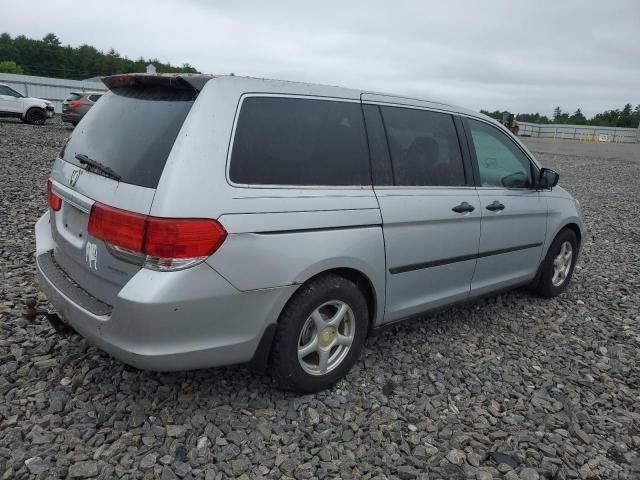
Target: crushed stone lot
<point>509,387</point>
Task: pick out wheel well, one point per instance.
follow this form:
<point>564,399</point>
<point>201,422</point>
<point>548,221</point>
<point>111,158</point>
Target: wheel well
<point>576,229</point>
<point>261,356</point>
<point>31,109</point>
<point>362,282</point>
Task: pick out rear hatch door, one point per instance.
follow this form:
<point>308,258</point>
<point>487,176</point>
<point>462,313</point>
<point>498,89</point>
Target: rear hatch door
<point>115,157</point>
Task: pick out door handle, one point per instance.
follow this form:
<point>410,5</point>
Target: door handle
<point>495,206</point>
<point>464,207</point>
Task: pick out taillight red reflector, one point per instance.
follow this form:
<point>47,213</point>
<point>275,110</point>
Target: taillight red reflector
<point>155,236</point>
<point>117,227</point>
<point>55,202</point>
<point>182,238</point>
<point>75,104</point>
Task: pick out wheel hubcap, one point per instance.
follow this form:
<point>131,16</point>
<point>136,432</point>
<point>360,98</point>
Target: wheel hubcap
<point>326,337</point>
<point>562,264</point>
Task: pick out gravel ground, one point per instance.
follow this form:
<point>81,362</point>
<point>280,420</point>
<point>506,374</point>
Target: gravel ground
<point>509,387</point>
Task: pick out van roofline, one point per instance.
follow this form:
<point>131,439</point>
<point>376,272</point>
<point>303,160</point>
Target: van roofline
<point>197,81</point>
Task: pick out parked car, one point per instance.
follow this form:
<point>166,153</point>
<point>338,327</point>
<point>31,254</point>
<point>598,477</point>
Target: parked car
<point>28,109</point>
<point>224,220</point>
<point>77,104</point>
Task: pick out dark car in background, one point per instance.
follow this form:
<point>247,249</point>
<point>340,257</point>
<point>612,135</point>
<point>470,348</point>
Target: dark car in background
<point>77,104</point>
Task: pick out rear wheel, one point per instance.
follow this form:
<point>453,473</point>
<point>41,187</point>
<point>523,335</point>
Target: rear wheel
<point>320,334</point>
<point>36,116</point>
<point>558,265</point>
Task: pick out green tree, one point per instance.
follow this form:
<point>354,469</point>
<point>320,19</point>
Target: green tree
<point>48,57</point>
<point>577,118</point>
<point>559,116</point>
<point>608,118</point>
<point>626,118</point>
<point>10,67</point>
<point>497,114</point>
<point>7,50</point>
<point>532,117</point>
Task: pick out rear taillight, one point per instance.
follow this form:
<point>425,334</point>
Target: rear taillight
<point>117,227</point>
<point>157,243</point>
<point>55,202</point>
<point>182,238</point>
<point>75,104</point>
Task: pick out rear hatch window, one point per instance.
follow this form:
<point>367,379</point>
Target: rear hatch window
<point>130,132</point>
<point>73,97</point>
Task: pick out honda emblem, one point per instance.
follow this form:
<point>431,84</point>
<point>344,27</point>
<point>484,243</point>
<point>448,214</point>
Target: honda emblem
<point>74,178</point>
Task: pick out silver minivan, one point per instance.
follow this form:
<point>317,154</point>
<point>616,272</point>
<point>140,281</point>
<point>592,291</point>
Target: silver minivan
<point>197,221</point>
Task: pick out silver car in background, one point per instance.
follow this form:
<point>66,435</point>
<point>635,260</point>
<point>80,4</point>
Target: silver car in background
<point>198,221</point>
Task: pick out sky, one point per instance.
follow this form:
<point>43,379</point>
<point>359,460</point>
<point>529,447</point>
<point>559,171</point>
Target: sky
<point>517,55</point>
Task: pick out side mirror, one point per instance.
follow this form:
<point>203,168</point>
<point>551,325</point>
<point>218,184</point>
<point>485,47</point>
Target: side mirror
<point>548,178</point>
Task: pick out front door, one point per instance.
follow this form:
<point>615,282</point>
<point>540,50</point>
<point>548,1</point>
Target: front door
<point>514,214</point>
<point>430,209</point>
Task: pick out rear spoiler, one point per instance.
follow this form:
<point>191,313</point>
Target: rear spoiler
<point>173,81</point>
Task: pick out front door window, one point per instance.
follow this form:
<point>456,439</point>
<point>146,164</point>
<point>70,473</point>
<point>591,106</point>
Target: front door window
<point>500,161</point>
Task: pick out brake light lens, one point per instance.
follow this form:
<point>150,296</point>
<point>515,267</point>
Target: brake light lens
<point>165,244</point>
<point>117,227</point>
<point>74,104</point>
<point>182,238</point>
<point>55,202</point>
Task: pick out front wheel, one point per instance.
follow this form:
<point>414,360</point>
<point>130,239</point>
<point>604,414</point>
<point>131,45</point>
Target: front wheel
<point>36,116</point>
<point>558,265</point>
<point>320,334</point>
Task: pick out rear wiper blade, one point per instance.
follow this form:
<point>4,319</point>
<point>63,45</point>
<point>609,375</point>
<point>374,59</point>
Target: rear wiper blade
<point>107,171</point>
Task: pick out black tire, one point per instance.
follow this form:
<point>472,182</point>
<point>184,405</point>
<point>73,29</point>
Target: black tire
<point>36,116</point>
<point>284,365</point>
<point>545,285</point>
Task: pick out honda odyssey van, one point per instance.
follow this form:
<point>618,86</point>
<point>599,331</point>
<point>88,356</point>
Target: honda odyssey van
<point>198,221</point>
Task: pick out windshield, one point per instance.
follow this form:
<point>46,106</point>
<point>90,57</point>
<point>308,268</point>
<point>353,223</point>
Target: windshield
<point>131,132</point>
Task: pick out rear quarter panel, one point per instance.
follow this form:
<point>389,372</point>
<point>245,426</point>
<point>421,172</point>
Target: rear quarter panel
<point>276,236</point>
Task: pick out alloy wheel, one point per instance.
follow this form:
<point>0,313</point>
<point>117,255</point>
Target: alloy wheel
<point>562,264</point>
<point>326,337</point>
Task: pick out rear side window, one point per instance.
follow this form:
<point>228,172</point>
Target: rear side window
<point>424,147</point>
<point>73,97</point>
<point>132,132</point>
<point>94,98</point>
<point>295,141</point>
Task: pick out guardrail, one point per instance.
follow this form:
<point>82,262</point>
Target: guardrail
<point>584,133</point>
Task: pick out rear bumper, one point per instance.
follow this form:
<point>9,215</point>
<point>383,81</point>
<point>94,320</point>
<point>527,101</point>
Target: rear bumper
<point>71,117</point>
<point>169,321</point>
